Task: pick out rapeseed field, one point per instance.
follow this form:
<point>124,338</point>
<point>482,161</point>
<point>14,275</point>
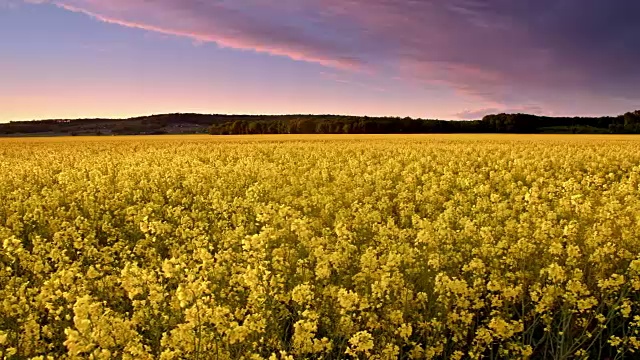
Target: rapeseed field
<point>321,247</point>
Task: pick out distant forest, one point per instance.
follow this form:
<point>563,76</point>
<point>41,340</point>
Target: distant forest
<point>628,123</point>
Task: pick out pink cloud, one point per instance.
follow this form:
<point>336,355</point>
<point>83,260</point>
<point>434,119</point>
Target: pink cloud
<point>219,24</point>
<point>493,51</point>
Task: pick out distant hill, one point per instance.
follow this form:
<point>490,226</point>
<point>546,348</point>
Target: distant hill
<point>323,124</point>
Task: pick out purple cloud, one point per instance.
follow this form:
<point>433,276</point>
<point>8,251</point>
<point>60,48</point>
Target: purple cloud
<point>502,52</point>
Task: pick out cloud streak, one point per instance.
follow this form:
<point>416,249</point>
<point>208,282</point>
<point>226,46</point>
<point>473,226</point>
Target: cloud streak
<point>501,52</point>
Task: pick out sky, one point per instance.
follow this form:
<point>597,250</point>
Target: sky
<point>446,59</point>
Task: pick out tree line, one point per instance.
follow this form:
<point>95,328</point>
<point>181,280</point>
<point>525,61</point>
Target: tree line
<point>342,125</point>
<point>628,123</point>
<point>498,123</point>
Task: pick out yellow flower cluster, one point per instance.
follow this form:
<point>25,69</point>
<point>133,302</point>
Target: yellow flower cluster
<point>381,247</point>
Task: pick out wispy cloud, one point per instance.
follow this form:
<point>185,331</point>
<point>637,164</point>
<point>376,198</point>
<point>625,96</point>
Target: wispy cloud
<point>223,23</point>
<point>499,51</point>
<point>348,79</point>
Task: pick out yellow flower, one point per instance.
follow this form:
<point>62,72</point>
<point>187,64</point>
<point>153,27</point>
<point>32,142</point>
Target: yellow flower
<point>360,342</point>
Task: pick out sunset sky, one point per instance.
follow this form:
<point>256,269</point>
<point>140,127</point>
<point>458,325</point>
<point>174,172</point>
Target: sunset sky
<point>453,59</point>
